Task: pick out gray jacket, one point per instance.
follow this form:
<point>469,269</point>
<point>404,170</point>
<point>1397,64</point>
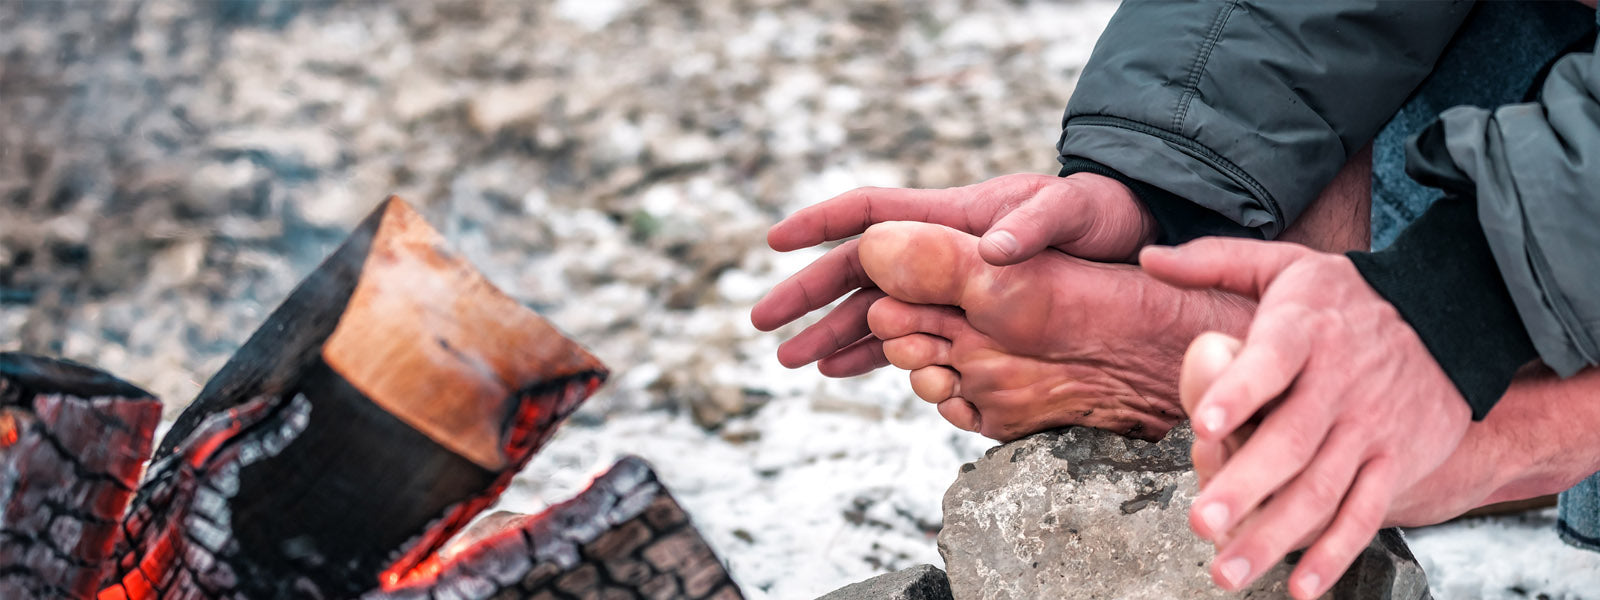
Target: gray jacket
<point>1249,108</point>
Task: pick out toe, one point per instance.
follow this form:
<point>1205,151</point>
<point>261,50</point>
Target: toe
<point>919,262</point>
<point>889,318</point>
<point>917,350</point>
<point>935,384</point>
<point>961,414</point>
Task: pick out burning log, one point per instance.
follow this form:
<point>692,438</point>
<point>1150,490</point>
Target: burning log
<point>385,403</point>
<point>624,537</point>
<point>382,406</point>
<point>72,442</point>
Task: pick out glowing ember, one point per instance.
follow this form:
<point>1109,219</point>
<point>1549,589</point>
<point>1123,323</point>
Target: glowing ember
<point>8,429</point>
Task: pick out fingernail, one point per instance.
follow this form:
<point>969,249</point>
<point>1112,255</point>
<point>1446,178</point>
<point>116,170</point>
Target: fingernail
<point>1215,516</point>
<point>1212,419</point>
<point>1310,584</point>
<point>1235,570</point>
<point>1002,241</point>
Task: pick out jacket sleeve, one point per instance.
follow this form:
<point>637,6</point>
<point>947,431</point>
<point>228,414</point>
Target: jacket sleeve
<point>1248,109</point>
<point>1535,168</point>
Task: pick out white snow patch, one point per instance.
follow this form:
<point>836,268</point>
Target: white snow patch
<point>1507,558</point>
<point>593,15</point>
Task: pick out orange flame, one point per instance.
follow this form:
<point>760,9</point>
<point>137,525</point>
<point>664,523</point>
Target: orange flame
<point>8,429</point>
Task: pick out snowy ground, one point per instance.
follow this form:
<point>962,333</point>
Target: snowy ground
<point>168,170</point>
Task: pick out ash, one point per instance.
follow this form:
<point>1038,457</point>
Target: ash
<point>169,170</point>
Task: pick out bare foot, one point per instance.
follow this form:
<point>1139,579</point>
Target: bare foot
<point>1050,341</point>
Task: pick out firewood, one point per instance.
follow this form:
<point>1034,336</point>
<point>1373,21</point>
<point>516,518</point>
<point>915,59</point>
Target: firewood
<point>386,402</point>
<point>623,537</point>
<point>72,443</point>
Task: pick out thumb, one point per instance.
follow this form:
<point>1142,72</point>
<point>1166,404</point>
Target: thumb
<point>1044,220</point>
<point>1207,356</point>
<point>1244,267</point>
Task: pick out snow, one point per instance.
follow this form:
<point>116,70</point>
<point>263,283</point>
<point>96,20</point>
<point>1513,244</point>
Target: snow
<point>830,483</point>
<point>1503,558</point>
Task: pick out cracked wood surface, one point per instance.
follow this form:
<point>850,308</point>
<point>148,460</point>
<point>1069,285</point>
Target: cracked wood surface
<point>72,442</point>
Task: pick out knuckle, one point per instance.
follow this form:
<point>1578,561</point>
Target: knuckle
<point>1365,516</point>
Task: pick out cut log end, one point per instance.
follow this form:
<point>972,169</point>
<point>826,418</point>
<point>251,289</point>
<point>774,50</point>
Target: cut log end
<point>430,340</point>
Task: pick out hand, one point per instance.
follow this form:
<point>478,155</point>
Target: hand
<point>1085,215</point>
<point>1471,477</point>
<point>1051,341</point>
<point>1354,410</point>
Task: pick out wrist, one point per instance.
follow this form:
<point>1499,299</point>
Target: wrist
<point>1546,438</point>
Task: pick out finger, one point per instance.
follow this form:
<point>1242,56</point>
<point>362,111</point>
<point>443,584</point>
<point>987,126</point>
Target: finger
<point>844,325</point>
<point>1284,444</point>
<point>854,211</point>
<point>1275,351</point>
<point>1244,267</point>
<point>890,318</point>
<point>1052,217</point>
<point>936,384</point>
<point>817,285</point>
<point>917,350</point>
<point>1352,530</point>
<point>921,263</point>
<point>1208,355</point>
<point>1295,514</point>
<point>859,358</point>
<point>960,413</point>
<point>1208,458</point>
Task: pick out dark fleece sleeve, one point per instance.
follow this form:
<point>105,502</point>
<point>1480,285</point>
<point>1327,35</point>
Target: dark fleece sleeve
<point>1177,219</point>
<point>1442,278</point>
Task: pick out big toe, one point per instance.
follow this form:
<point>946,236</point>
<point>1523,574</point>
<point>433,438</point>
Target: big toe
<point>920,263</point>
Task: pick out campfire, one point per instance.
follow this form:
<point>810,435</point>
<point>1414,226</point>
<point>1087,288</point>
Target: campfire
<point>340,453</point>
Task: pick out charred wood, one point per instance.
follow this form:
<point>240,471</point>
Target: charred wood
<point>624,537</point>
<point>72,442</point>
<point>385,403</point>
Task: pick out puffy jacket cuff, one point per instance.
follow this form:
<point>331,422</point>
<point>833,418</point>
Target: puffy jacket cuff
<point>1178,220</point>
<point>1442,278</point>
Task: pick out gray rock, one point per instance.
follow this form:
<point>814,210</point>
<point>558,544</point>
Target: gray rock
<point>922,582</point>
<point>1083,513</point>
<point>1385,570</point>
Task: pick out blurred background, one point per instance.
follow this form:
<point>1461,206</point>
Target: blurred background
<point>169,170</point>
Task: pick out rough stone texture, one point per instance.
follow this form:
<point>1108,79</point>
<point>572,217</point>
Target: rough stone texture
<point>1386,571</point>
<point>1083,513</point>
<point>922,582</point>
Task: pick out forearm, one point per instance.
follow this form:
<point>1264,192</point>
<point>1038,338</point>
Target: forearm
<point>1543,437</point>
<point>1247,140</point>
